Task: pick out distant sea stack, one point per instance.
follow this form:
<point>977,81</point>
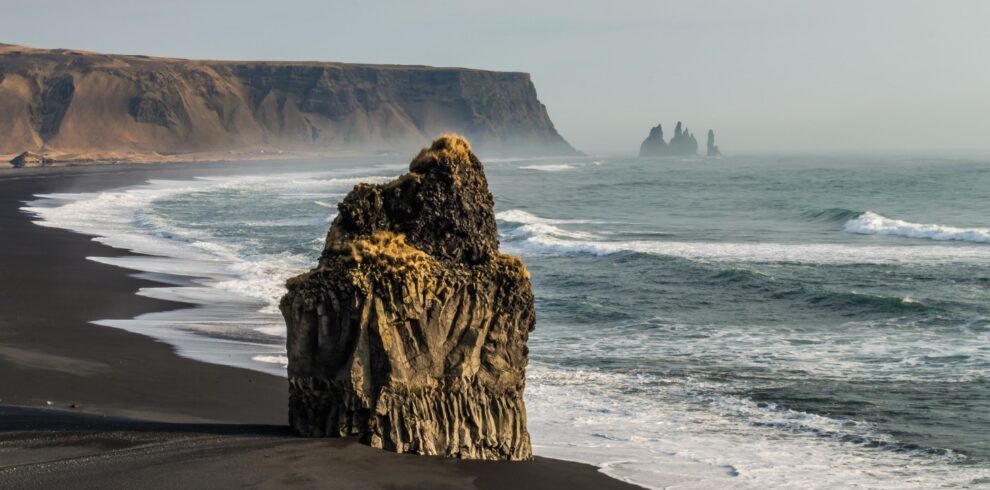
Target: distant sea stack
<point>654,144</point>
<point>682,144</point>
<point>410,334</point>
<point>712,147</point>
<point>75,105</point>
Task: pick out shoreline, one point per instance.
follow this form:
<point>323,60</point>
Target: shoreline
<point>53,357</point>
<point>110,158</point>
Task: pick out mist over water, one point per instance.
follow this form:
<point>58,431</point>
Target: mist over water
<point>742,322</point>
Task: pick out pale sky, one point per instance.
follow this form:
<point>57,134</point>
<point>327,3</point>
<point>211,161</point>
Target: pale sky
<point>782,75</point>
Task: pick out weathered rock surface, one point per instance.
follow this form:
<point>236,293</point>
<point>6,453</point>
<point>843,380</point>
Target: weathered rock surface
<point>683,143</point>
<point>74,102</point>
<point>712,147</point>
<point>411,332</point>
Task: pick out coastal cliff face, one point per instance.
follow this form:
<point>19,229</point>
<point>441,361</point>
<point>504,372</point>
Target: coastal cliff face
<point>71,104</point>
<point>411,332</point>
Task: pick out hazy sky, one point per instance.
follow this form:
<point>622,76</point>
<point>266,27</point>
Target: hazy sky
<point>766,75</point>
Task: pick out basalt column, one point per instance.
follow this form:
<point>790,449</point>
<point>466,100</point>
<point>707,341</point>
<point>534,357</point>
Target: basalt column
<point>410,334</point>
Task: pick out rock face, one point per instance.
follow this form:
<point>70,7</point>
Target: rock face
<point>683,143</point>
<point>712,147</point>
<point>411,332</point>
<point>72,102</point>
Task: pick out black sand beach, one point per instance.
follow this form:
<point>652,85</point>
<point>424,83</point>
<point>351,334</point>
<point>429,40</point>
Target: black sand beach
<point>86,406</point>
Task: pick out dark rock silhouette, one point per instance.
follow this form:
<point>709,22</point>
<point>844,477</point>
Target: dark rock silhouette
<point>411,332</point>
<point>29,159</point>
<point>683,143</point>
<point>654,143</point>
<point>712,147</point>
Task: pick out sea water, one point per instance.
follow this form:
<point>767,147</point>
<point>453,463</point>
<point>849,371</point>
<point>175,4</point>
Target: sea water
<point>746,322</point>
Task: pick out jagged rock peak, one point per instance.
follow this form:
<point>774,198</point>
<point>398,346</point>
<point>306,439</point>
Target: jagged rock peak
<point>443,206</point>
<point>683,143</point>
<point>712,147</point>
<point>411,332</point>
<point>654,143</point>
<point>656,133</point>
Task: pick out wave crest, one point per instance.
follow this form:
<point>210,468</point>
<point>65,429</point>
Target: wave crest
<point>832,214</point>
<point>549,167</point>
<point>870,223</point>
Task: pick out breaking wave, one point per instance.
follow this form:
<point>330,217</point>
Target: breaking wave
<point>549,167</point>
<point>649,423</point>
<point>532,234</point>
<point>832,214</point>
<point>870,223</point>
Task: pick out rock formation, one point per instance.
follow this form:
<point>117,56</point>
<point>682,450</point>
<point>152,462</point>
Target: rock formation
<point>712,147</point>
<point>411,332</point>
<point>74,103</point>
<point>682,144</point>
<point>28,159</point>
<point>654,144</point>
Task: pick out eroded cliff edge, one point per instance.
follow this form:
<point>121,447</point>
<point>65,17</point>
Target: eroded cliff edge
<point>411,332</point>
<point>73,104</point>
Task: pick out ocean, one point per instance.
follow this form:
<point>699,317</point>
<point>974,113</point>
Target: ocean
<point>745,322</point>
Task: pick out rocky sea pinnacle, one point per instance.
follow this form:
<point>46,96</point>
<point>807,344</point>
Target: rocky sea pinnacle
<point>410,334</point>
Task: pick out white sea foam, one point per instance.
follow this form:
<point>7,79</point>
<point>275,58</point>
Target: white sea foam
<point>870,223</point>
<point>677,433</point>
<point>279,359</point>
<point>525,217</point>
<point>549,167</point>
<point>552,240</point>
<point>756,252</point>
<point>544,230</point>
<point>207,334</point>
<point>891,349</point>
<point>534,226</point>
<point>221,272</point>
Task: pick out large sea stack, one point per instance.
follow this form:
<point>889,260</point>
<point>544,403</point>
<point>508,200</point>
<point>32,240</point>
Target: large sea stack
<point>654,144</point>
<point>682,144</point>
<point>411,332</point>
<point>713,150</point>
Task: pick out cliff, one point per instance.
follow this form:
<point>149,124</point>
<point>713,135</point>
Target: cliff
<point>682,144</point>
<point>74,105</point>
<point>410,334</point>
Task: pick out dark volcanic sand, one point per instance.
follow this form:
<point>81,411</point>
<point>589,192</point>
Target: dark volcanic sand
<point>189,424</point>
